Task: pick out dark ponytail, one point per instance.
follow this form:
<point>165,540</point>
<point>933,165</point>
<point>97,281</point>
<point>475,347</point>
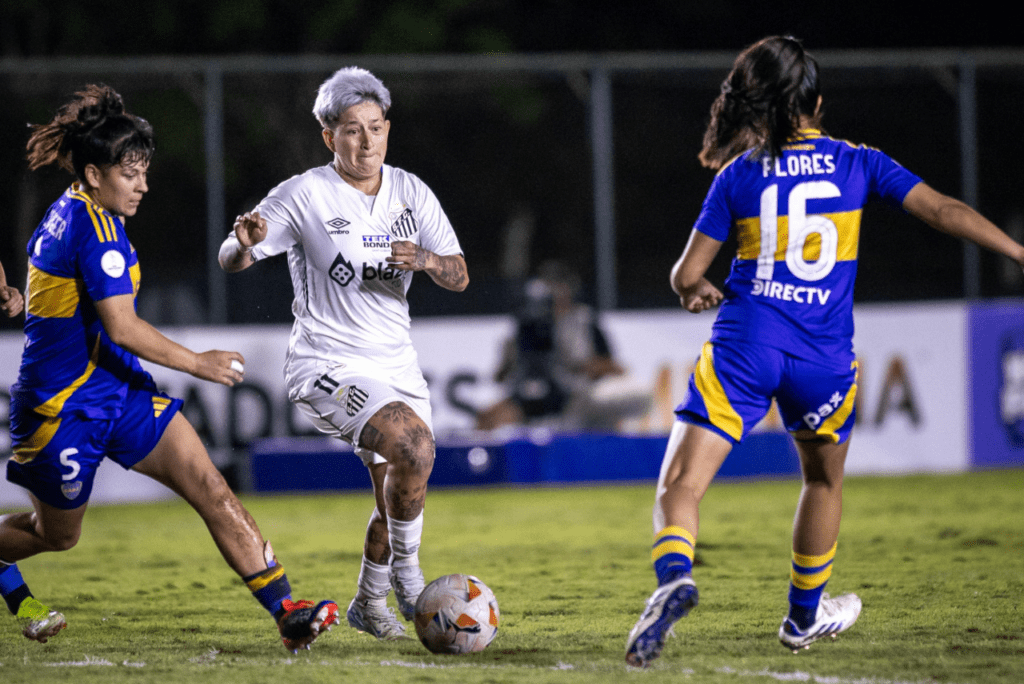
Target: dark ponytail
<point>93,128</point>
<point>772,84</point>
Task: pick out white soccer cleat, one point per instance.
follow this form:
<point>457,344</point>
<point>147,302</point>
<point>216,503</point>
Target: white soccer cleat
<point>375,618</point>
<point>408,583</point>
<point>664,608</point>
<point>834,615</point>
<point>38,622</point>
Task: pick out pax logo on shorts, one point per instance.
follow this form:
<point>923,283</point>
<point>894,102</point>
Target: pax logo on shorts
<point>355,399</point>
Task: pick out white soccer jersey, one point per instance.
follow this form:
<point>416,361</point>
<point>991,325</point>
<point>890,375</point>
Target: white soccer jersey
<point>349,302</point>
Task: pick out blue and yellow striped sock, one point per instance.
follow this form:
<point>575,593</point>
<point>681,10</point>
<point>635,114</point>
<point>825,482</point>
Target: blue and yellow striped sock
<point>12,586</point>
<point>807,581</point>
<point>672,554</point>
<point>270,588</point>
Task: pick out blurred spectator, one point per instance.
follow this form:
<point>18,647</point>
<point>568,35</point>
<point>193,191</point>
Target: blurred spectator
<point>558,367</point>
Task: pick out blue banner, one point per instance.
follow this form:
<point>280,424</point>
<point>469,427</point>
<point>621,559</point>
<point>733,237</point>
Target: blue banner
<point>995,355</point>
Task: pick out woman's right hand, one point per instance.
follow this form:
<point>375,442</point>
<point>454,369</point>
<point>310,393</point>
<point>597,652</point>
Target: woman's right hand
<point>215,366</point>
<point>700,297</point>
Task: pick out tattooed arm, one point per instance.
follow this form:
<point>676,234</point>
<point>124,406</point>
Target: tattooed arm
<point>447,271</point>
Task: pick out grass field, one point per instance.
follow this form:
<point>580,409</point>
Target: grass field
<point>937,560</point>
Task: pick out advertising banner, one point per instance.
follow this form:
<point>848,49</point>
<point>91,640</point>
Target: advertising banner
<point>911,406</point>
<point>996,353</point>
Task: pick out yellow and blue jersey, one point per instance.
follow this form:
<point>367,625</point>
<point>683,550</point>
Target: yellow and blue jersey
<point>797,221</point>
<point>78,255</point>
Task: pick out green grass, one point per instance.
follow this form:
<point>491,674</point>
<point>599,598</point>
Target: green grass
<point>937,560</point>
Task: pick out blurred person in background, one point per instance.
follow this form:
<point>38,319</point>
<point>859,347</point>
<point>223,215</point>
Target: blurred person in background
<point>558,367</point>
<point>11,301</point>
<point>355,230</point>
<point>785,328</point>
<point>82,395</point>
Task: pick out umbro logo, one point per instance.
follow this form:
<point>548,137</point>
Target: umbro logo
<point>336,226</point>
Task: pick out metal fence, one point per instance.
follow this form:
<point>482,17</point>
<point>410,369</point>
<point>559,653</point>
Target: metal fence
<point>586,158</point>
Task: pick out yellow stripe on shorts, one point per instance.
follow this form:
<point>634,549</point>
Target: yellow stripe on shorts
<point>720,412</point>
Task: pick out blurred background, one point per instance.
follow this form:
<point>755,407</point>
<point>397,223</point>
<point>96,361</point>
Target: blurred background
<point>563,130</point>
<point>549,130</point>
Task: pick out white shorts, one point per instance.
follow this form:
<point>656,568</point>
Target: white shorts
<point>339,398</point>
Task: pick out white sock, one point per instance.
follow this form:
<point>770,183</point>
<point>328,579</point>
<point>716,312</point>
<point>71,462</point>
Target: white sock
<point>373,581</point>
<point>405,540</point>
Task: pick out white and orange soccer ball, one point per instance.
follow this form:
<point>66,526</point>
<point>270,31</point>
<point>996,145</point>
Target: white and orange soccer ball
<point>456,614</point>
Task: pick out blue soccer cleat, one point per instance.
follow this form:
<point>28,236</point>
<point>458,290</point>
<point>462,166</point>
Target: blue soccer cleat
<point>665,607</point>
<point>302,622</point>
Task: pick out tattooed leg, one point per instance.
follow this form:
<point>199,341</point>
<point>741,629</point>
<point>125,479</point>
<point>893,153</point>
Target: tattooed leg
<point>405,442</point>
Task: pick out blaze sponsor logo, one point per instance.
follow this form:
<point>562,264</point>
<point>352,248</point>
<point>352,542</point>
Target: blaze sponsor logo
<point>342,271</point>
<point>404,225</point>
<point>336,226</point>
<point>377,242</point>
<point>789,292</point>
<point>382,271</point>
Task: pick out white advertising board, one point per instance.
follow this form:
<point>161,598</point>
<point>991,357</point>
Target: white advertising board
<point>911,401</point>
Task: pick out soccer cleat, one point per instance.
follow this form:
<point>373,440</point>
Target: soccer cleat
<point>667,604</point>
<point>834,615</point>
<point>38,622</point>
<point>408,583</point>
<point>375,618</point>
<point>302,622</point>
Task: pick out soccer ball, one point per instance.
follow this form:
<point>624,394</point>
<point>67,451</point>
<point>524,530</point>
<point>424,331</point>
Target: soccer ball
<point>456,614</point>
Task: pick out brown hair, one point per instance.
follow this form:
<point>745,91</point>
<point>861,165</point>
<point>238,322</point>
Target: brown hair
<point>772,84</point>
<point>93,128</point>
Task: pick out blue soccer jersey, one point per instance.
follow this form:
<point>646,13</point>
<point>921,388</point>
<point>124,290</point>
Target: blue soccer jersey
<point>797,221</point>
<point>78,255</point>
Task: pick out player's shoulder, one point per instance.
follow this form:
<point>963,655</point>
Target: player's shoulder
<point>76,219</point>
<point>308,181</point>
<point>400,178</point>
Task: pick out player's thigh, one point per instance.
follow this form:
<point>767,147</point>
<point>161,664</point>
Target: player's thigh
<point>817,400</point>
<point>180,462</point>
<point>56,459</point>
<point>731,387</point>
<point>341,401</point>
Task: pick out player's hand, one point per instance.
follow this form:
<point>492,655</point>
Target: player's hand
<point>701,297</point>
<point>408,256</point>
<point>11,301</point>
<point>215,366</point>
<point>250,229</point>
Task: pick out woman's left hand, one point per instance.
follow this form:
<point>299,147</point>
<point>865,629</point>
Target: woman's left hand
<point>408,256</point>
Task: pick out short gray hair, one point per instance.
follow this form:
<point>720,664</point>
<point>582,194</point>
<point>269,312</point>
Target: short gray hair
<point>348,87</point>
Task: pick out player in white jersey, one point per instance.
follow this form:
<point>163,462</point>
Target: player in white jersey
<point>355,230</point>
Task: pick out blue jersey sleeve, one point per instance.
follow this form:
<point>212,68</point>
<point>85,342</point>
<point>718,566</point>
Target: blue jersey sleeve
<point>890,182</point>
<point>715,218</point>
<point>104,260</point>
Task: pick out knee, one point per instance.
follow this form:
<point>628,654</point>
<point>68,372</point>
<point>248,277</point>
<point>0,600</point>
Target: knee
<point>415,451</point>
<point>62,540</point>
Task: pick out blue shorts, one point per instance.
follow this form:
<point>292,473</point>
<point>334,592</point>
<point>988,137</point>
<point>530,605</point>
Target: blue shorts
<point>732,387</point>
<point>60,470</point>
